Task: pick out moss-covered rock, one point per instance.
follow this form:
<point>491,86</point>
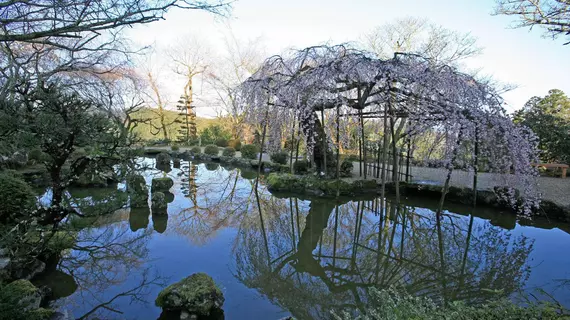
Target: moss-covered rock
<point>159,202</point>
<point>20,299</point>
<point>138,191</point>
<point>197,294</point>
<point>284,182</point>
<point>161,184</point>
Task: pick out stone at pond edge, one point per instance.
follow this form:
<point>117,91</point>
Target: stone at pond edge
<point>196,294</point>
<point>159,202</point>
<point>316,186</point>
<point>161,184</point>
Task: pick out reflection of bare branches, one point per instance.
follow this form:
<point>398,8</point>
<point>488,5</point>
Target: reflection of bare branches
<point>103,258</point>
<point>135,294</point>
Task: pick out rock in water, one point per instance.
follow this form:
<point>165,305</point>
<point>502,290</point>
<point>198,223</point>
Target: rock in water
<point>159,202</point>
<point>195,295</point>
<point>161,184</point>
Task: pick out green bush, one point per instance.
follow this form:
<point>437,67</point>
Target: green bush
<point>16,301</point>
<point>211,150</point>
<point>229,152</point>
<point>234,143</point>
<point>301,166</point>
<point>196,150</point>
<point>279,157</point>
<point>346,168</point>
<point>222,142</point>
<point>37,155</point>
<point>249,151</point>
<point>175,147</point>
<point>16,196</point>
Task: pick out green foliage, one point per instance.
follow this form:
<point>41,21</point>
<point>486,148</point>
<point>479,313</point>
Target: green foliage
<point>222,142</point>
<point>549,118</point>
<point>15,302</point>
<point>36,155</point>
<point>213,133</point>
<point>16,196</point>
<point>280,157</point>
<point>391,304</point>
<point>211,150</point>
<point>301,166</point>
<point>346,168</point>
<point>234,143</point>
<point>249,151</point>
<point>175,147</point>
<point>196,150</point>
<point>229,152</point>
<point>352,158</point>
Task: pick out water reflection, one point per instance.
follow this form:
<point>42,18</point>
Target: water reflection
<point>323,256</point>
<point>306,256</point>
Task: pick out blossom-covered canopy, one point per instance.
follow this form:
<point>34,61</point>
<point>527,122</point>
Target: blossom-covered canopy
<point>347,82</point>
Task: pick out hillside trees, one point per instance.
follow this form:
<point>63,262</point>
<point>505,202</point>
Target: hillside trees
<point>549,118</point>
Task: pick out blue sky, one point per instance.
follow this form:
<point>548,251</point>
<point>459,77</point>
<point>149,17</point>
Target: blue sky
<point>516,56</point>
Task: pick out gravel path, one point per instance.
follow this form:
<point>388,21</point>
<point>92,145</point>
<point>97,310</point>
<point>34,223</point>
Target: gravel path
<point>554,189</point>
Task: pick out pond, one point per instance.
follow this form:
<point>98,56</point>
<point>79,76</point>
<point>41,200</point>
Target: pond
<point>278,255</point>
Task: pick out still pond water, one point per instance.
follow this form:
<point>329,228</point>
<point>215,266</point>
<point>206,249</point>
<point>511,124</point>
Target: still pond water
<point>300,257</point>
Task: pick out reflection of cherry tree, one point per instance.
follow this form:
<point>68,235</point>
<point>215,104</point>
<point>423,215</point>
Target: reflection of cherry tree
<point>220,198</point>
<point>329,258</point>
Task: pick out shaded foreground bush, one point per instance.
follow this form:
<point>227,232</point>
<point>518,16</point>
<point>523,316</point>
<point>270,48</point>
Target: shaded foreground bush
<point>249,151</point>
<point>196,150</point>
<point>391,304</point>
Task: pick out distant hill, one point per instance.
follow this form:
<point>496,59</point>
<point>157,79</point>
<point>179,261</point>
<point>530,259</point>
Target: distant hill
<point>144,130</point>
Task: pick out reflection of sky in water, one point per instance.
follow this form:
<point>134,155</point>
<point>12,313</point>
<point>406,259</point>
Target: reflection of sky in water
<point>216,228</point>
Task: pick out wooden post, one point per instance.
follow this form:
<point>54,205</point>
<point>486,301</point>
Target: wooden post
<point>475,165</point>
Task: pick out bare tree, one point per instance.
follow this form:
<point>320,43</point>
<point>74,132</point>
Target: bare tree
<point>154,97</point>
<point>553,15</point>
<point>191,58</point>
<point>241,60</point>
<point>46,22</point>
<point>420,36</point>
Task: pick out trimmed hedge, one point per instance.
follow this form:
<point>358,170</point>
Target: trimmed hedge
<point>301,166</point>
<point>279,157</point>
<point>211,150</point>
<point>196,150</point>
<point>249,151</point>
<point>222,143</point>
<point>229,152</point>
